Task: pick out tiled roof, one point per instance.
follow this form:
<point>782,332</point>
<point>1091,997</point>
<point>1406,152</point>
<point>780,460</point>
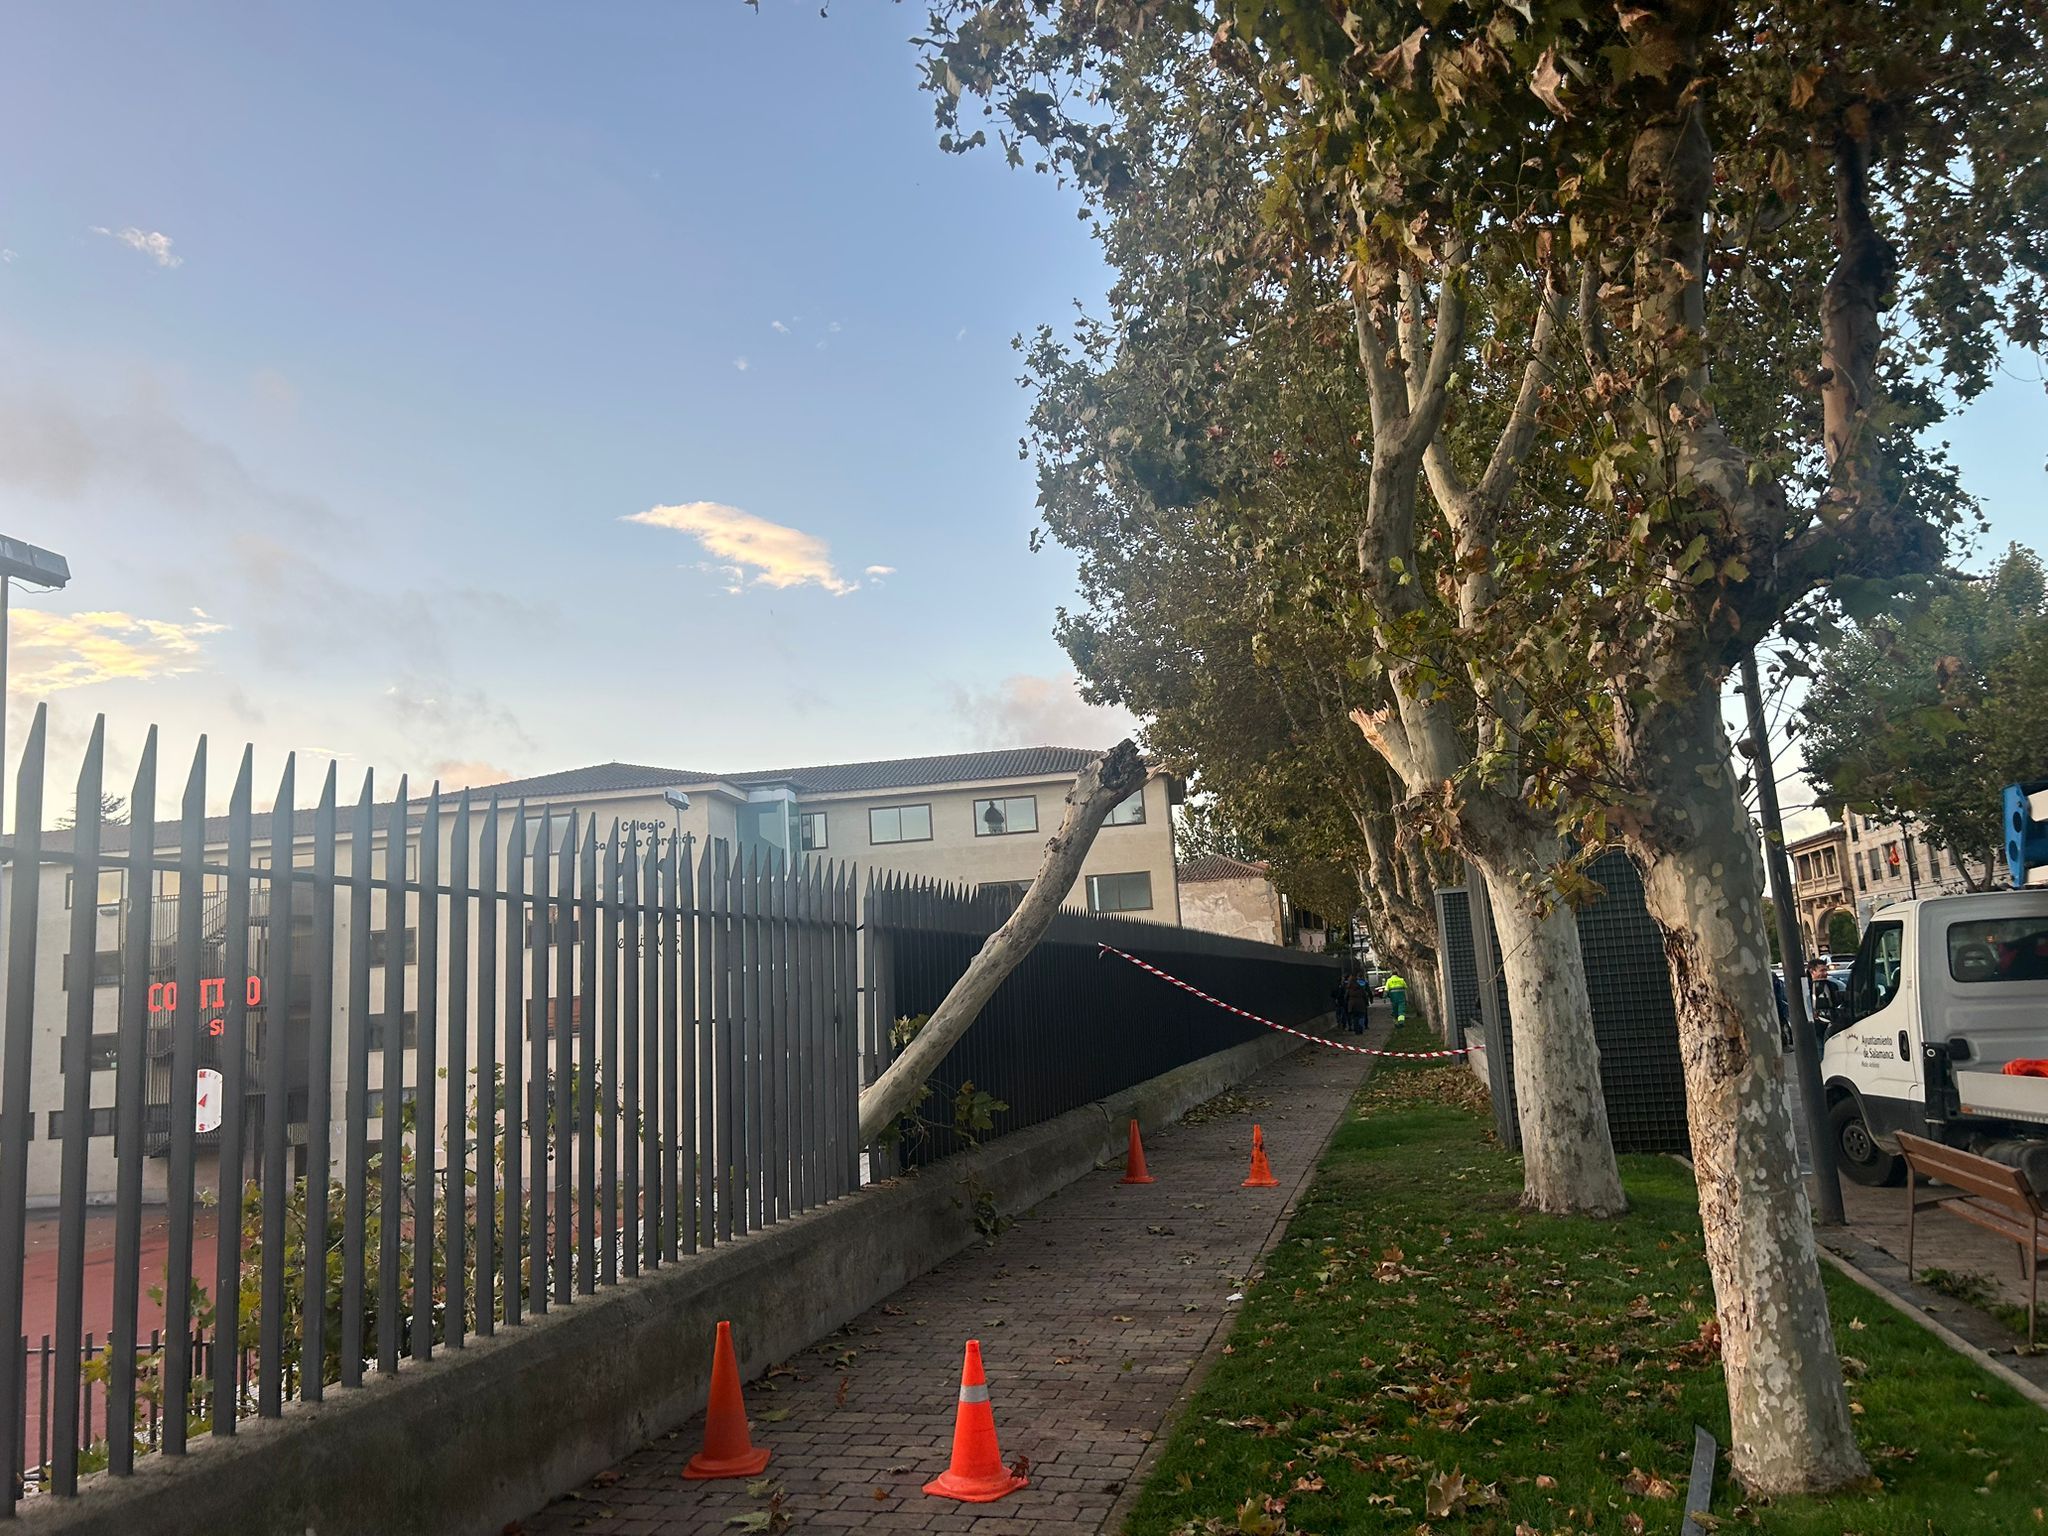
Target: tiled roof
<point>614,778</point>
<point>903,772</point>
<point>1216,866</point>
<point>597,779</point>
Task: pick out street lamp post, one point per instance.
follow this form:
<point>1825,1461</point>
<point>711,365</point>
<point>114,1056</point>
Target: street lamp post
<point>47,571</point>
<point>1827,1180</point>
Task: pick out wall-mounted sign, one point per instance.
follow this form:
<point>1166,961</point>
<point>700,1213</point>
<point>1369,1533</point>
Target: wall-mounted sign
<point>213,993</point>
<point>207,1109</point>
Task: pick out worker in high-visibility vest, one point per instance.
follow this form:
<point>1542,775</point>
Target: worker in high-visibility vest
<point>1397,996</point>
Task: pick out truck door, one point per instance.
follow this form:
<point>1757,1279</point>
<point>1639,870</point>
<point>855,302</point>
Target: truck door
<point>1882,1044</point>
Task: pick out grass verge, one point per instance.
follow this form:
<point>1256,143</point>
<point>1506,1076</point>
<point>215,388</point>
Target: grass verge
<point>1422,1357</point>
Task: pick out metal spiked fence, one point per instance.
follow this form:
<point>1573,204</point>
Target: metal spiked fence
<point>614,1051</point>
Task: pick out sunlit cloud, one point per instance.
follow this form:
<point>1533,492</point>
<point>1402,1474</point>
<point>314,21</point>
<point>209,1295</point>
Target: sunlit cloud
<point>1025,710</point>
<point>740,363</point>
<point>460,774</point>
<point>778,327</point>
<point>152,243</point>
<point>750,548</point>
<point>52,652</point>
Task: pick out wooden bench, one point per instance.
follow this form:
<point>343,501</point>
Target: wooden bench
<point>1989,1195</point>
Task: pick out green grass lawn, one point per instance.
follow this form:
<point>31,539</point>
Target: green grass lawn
<point>1420,1356</point>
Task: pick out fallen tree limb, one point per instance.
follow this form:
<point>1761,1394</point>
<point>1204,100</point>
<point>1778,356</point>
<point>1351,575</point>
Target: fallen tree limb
<point>1098,788</point>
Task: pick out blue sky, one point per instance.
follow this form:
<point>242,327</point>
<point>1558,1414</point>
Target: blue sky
<point>451,293</point>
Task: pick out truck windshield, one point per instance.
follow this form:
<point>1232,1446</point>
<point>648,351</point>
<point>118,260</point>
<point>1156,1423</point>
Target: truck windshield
<point>1999,949</point>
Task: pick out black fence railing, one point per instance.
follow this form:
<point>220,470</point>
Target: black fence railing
<point>38,1358</point>
<point>1069,1025</point>
<point>667,1059</point>
<point>340,1086</point>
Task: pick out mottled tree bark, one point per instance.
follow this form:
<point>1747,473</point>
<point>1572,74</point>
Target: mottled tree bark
<point>1568,1163</point>
<point>1789,1414</point>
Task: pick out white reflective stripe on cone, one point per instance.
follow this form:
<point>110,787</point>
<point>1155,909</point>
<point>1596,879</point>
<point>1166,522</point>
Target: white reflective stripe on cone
<point>974,1394</point>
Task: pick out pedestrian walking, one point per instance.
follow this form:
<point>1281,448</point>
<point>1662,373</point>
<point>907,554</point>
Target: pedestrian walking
<point>1397,996</point>
<point>1357,1000</point>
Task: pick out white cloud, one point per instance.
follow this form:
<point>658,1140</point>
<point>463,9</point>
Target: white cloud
<point>7,254</point>
<point>740,363</point>
<point>879,570</point>
<point>961,334</point>
<point>50,652</point>
<point>777,556</point>
<point>465,773</point>
<point>1030,711</point>
<point>153,244</point>
<point>778,327</point>
<point>834,327</point>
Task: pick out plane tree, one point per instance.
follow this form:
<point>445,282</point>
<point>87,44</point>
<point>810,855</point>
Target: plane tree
<point>1869,182</point>
<point>1232,403</point>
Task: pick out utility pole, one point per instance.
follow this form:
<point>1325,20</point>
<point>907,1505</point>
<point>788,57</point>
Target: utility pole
<point>1827,1179</point>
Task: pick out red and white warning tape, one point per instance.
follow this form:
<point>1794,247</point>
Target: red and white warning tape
<point>1335,1045</point>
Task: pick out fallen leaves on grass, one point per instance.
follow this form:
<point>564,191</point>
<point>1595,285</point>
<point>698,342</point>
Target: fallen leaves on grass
<point>1647,1485</point>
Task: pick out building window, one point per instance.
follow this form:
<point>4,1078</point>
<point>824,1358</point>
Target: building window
<point>811,830</point>
<point>99,1053</point>
<point>1012,891</point>
<point>100,1122</point>
<point>380,866</point>
<point>554,1015</point>
<point>995,818</point>
<point>106,968</point>
<point>169,885</point>
<point>1120,893</point>
<point>374,1101</point>
<point>111,882</point>
<point>380,946</point>
<point>564,927</point>
<point>408,1030</point>
<point>1128,812</point>
<point>552,830</point>
<point>900,824</point>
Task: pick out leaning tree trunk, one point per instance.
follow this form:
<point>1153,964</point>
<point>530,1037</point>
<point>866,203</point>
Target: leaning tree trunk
<point>1568,1160</point>
<point>1098,789</point>
<point>1703,881</point>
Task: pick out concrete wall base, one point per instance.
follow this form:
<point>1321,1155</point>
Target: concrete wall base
<point>482,1435</point>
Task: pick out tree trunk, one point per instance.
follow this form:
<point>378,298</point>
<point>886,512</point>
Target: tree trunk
<point>1567,1151</point>
<point>1098,789</point>
<point>1568,1155</point>
<point>1703,881</point>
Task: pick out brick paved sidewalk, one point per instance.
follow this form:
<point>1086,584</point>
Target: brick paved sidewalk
<point>1092,1310</point>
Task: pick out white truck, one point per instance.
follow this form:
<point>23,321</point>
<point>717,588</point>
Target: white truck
<point>1944,992</point>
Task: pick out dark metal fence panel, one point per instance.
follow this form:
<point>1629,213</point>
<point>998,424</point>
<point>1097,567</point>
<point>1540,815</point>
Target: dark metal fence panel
<point>1067,1026</point>
<point>562,1059</point>
<point>1628,984</point>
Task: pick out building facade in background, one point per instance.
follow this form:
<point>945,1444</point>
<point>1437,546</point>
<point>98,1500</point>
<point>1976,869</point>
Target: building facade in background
<point>1893,861</point>
<point>1820,883</point>
<point>979,820</point>
<point>1225,895</point>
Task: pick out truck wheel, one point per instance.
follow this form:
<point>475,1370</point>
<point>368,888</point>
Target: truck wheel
<point>1857,1153</point>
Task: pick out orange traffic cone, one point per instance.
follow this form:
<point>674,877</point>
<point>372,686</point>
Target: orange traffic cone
<point>1134,1161</point>
<point>977,1475</point>
<point>727,1450</point>
<point>1261,1175</point>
